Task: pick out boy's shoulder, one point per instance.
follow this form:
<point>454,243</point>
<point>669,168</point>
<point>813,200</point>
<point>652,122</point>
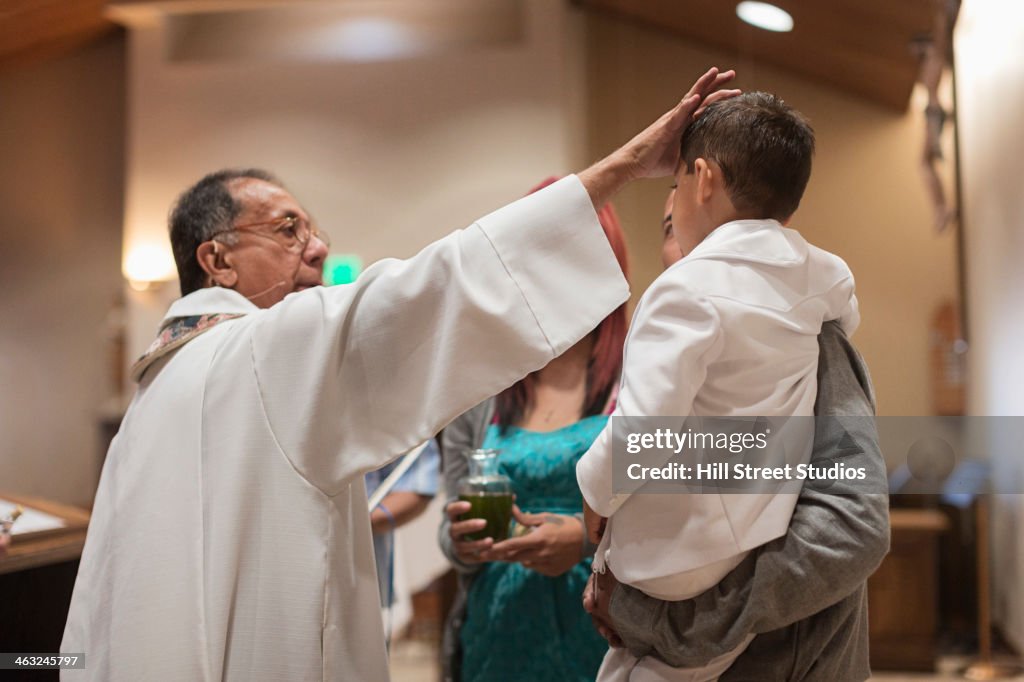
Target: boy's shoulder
<point>682,278</point>
<point>775,270</point>
<point>826,259</point>
<point>755,246</point>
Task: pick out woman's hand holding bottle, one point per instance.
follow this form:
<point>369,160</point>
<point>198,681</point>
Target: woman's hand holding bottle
<point>551,546</point>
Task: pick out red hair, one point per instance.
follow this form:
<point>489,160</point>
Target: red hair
<point>606,356</point>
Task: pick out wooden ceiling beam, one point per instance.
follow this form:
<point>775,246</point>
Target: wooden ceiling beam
<point>32,30</point>
<point>862,47</point>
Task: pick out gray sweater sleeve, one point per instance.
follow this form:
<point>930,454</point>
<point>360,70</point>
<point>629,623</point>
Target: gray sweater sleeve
<point>835,541</point>
<point>465,433</point>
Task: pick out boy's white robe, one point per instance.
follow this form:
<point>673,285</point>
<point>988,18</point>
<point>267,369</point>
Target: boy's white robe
<point>230,537</point>
<point>729,330</point>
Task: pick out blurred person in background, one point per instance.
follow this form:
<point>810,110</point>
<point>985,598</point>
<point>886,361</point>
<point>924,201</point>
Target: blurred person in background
<point>517,615</point>
<point>407,500</point>
<point>670,251</point>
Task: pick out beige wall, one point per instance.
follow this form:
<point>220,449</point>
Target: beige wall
<point>990,63</point>
<point>388,156</point>
<point>865,201</point>
<point>61,132</point>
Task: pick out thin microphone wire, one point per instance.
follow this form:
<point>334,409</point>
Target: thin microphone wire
<point>283,282</point>
<point>268,290</point>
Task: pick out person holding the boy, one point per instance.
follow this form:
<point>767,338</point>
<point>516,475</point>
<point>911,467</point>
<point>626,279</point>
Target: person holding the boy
<point>729,330</point>
<point>804,595</point>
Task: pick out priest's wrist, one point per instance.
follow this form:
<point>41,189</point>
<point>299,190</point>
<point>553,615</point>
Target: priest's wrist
<point>608,176</point>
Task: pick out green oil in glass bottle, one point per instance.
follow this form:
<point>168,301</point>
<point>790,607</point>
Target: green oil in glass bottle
<point>489,493</point>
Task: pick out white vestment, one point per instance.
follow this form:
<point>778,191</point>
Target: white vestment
<point>230,537</point>
<point>730,330</point>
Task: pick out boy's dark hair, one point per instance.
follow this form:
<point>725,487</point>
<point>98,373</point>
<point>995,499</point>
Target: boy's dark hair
<point>203,210</point>
<point>764,148</point>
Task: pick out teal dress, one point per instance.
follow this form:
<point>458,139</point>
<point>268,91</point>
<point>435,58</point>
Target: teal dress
<point>521,625</point>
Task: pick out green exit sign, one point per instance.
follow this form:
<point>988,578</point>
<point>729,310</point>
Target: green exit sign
<point>342,268</point>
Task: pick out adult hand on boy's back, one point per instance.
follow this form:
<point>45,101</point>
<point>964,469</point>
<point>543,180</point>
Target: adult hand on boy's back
<point>597,598</point>
<point>593,523</point>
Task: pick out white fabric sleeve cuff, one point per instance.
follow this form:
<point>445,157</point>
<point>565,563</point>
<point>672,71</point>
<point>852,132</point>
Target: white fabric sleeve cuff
<point>551,242</point>
<point>594,475</point>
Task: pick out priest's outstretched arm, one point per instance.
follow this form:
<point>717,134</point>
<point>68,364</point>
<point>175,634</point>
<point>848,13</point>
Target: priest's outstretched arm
<point>355,375</point>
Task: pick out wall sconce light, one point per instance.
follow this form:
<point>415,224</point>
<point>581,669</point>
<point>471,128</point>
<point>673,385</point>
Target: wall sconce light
<point>148,266</point>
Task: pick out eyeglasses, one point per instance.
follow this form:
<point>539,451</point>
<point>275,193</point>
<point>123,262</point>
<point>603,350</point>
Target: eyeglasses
<point>291,232</point>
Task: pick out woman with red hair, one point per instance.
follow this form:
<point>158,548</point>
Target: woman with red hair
<point>518,614</point>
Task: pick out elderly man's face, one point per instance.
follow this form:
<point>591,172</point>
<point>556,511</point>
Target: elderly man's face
<point>670,252</point>
<point>266,270</point>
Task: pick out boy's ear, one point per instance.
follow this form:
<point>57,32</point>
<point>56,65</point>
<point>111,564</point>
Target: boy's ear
<point>214,261</point>
<point>707,176</point>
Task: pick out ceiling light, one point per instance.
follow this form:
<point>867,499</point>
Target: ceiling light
<point>763,15</point>
<point>368,39</point>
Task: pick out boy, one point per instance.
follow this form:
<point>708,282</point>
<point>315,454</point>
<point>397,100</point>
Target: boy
<point>730,330</point>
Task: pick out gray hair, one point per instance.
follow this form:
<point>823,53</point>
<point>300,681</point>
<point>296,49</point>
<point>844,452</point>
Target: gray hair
<point>203,210</point>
